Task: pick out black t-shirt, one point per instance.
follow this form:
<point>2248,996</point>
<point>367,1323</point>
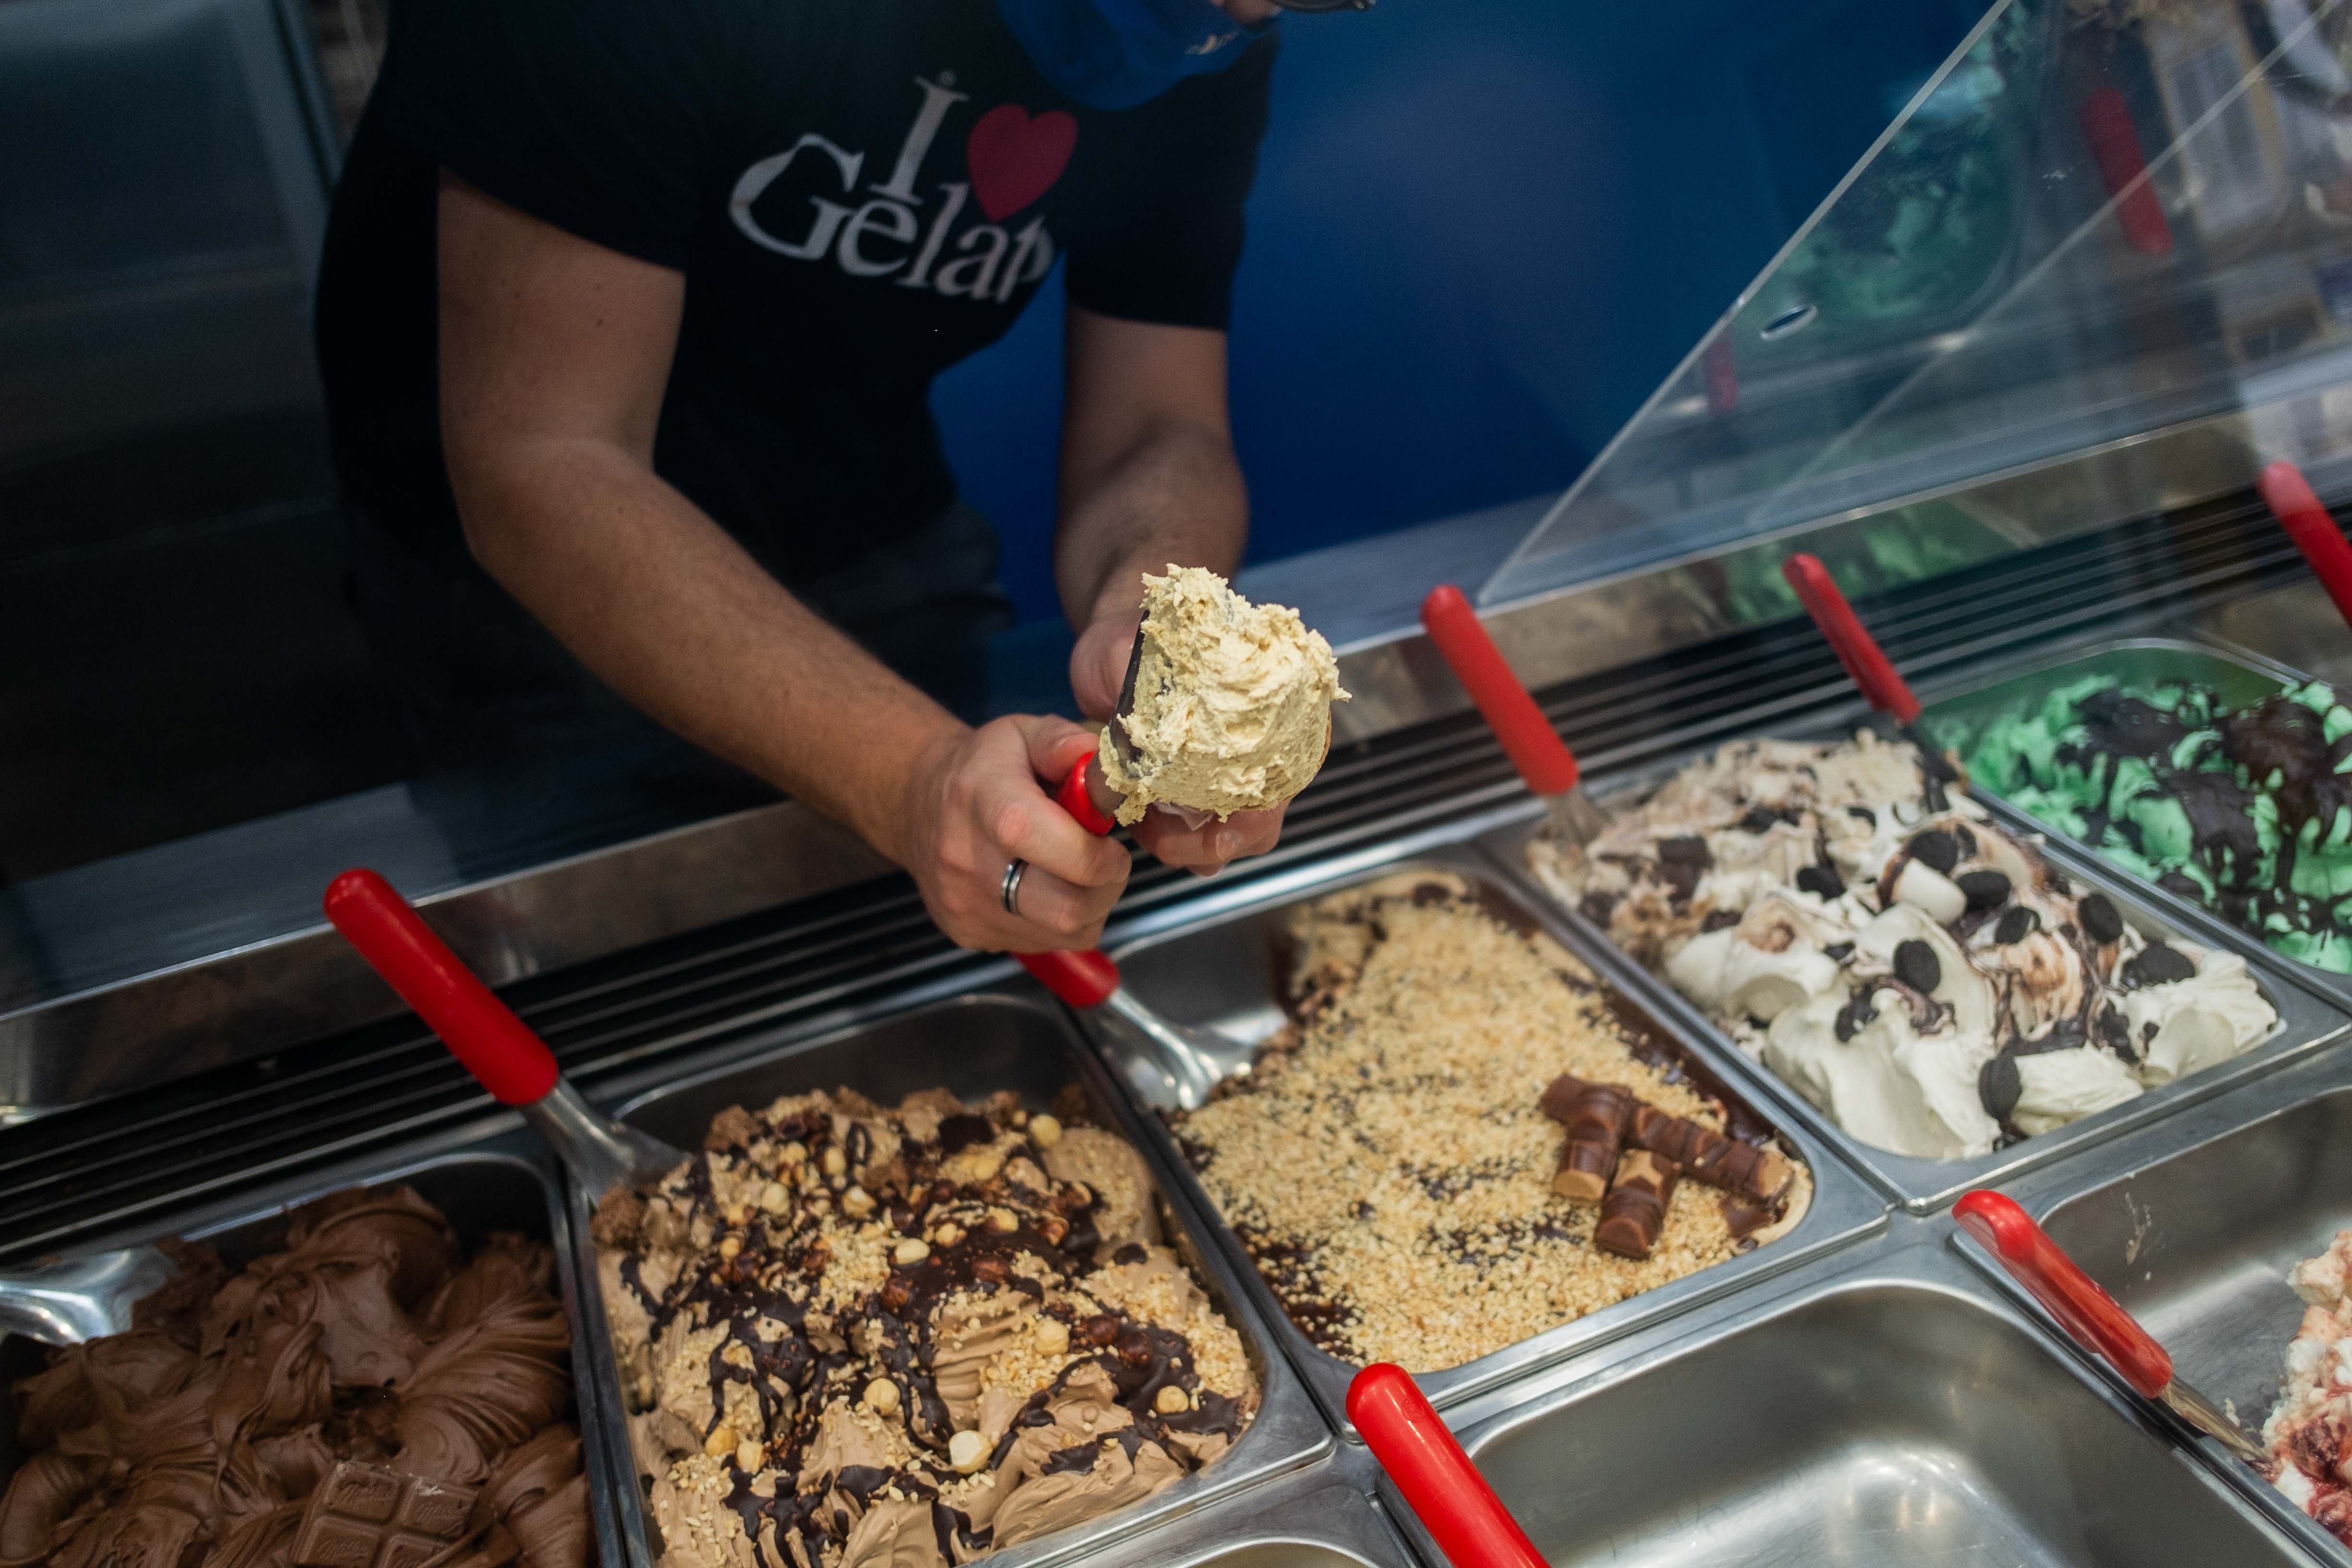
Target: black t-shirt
<point>860,192</point>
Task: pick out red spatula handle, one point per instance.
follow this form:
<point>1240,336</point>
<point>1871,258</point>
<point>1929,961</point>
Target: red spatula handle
<point>1880,685</point>
<point>2074,1298</point>
<point>1534,747</point>
<point>481,1031</point>
<point>2115,146</point>
<point>2314,533</point>
<point>1444,1489</point>
<point>1073,798</point>
<point>1082,979</point>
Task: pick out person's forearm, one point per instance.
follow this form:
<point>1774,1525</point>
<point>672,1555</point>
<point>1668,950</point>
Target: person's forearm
<point>1174,495</point>
<point>665,607</point>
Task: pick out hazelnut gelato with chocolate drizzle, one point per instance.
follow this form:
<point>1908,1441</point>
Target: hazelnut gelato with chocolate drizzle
<point>1233,702</point>
<point>1394,1169</point>
<point>856,1335</point>
<point>368,1352</point>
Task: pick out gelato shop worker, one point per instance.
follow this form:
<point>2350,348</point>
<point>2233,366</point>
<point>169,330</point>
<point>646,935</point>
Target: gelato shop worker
<point>628,318</point>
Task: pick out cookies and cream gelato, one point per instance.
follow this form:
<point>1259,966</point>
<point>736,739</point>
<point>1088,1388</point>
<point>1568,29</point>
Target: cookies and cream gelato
<point>1925,977</point>
<point>235,1424</point>
<point>1232,705</point>
<point>853,1335</point>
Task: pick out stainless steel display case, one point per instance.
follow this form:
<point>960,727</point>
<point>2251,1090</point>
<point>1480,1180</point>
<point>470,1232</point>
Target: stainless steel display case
<point>1875,1409</point>
<point>503,1181</point>
<point>1217,969</point>
<point>974,1045</point>
<point>2308,1020</point>
<point>2194,1227</point>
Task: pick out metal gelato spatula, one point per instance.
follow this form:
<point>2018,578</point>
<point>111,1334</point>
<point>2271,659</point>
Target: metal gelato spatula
<point>1438,1481</point>
<point>483,1033</point>
<point>79,1299</point>
<point>1528,738</point>
<point>2092,1316</point>
<point>1867,665</point>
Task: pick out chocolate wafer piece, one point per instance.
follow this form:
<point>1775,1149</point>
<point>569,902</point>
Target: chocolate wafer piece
<point>1596,1121</point>
<point>1634,1212</point>
<point>1711,1159</point>
<point>364,1516</point>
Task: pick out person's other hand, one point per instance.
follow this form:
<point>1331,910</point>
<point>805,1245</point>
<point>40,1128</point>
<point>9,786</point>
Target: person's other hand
<point>1098,664</point>
<point>973,805</point>
<point>1205,849</point>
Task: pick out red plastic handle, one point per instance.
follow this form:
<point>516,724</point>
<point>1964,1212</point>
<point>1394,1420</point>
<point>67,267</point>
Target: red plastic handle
<point>2314,531</point>
<point>1084,980</point>
<point>1074,798</point>
<point>2074,1298</point>
<point>481,1031</point>
<point>1444,1489</point>
<point>2115,146</point>
<point>1534,747</point>
<point>1882,685</point>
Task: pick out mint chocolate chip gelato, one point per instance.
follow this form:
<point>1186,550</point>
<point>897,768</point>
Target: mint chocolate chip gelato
<point>2246,811</point>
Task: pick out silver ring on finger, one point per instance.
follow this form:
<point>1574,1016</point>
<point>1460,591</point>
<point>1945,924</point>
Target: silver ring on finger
<point>1012,875</point>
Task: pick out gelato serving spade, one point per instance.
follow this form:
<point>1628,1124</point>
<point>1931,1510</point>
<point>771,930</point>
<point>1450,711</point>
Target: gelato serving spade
<point>1528,738</point>
<point>483,1033</point>
<point>1881,684</point>
<point>2314,533</point>
<point>2093,1317</point>
<point>1438,1481</point>
<point>79,1298</point>
<point>1171,1066</point>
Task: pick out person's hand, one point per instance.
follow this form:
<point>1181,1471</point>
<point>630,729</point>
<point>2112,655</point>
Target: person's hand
<point>973,805</point>
<point>1098,664</point>
<point>1205,849</point>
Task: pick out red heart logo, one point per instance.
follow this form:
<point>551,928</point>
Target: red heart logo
<point>1014,159</point>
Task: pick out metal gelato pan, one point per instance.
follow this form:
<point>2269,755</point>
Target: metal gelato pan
<point>1223,972</point>
<point>1925,1186</point>
<point>1320,1518</point>
<point>974,1047</point>
<point>1887,1413</point>
<point>502,1183</point>
<point>2194,1227</point>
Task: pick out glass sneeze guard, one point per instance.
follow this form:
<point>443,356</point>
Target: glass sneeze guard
<point>2100,222</point>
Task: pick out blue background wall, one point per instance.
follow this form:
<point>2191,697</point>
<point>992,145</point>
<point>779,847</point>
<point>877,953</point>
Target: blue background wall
<point>1483,231</point>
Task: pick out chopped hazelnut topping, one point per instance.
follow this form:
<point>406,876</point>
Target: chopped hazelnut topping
<point>910,1251</point>
<point>835,1162</point>
<point>881,1396</point>
<point>1045,1131</point>
<point>857,1203</point>
<point>1171,1399</point>
<point>721,1441</point>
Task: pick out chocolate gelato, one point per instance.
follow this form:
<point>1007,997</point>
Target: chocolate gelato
<point>1394,1167</point>
<point>852,1335</point>
<point>365,1396</point>
<point>1232,705</point>
<point>1924,976</point>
